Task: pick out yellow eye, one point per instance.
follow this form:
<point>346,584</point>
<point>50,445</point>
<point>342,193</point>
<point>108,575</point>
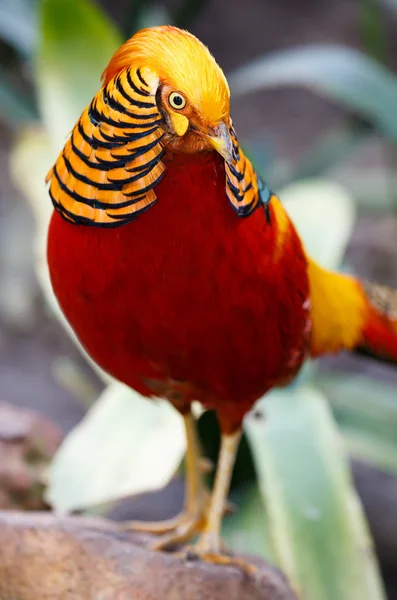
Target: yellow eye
<point>176,100</point>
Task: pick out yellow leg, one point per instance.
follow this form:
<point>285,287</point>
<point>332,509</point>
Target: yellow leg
<point>195,489</point>
<point>209,546</point>
<point>183,526</point>
<point>210,540</point>
<point>202,514</point>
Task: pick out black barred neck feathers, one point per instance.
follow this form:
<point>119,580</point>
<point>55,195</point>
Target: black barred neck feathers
<point>107,173</point>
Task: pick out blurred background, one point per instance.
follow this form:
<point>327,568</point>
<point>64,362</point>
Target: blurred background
<point>315,103</point>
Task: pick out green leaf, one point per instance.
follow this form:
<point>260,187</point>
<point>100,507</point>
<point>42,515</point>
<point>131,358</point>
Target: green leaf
<point>324,215</point>
<point>340,73</point>
<point>125,445</point>
<point>373,400</point>
<point>371,449</point>
<point>320,538</point>
<point>77,40</point>
<point>373,29</point>
<point>366,411</point>
<point>246,531</point>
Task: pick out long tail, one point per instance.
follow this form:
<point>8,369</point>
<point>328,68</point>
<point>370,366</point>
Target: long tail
<point>352,315</point>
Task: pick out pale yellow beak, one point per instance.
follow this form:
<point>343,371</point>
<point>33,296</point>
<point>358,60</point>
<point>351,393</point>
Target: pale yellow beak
<point>222,142</point>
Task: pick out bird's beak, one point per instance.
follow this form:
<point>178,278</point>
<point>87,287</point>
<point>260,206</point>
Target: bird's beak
<point>222,142</point>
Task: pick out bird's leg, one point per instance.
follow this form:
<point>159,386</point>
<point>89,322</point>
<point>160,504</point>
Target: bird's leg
<point>209,546</point>
<point>210,540</point>
<point>185,525</point>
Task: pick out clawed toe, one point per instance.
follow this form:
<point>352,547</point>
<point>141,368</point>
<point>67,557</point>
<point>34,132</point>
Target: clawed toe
<point>224,558</point>
<point>155,527</point>
<point>180,535</point>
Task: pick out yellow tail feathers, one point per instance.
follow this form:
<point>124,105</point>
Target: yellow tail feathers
<point>347,314</point>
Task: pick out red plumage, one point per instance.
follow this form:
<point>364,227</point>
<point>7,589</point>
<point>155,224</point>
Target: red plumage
<point>187,293</point>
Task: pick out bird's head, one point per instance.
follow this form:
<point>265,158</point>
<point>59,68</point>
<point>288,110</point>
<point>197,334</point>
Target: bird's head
<point>192,93</point>
<point>162,91</point>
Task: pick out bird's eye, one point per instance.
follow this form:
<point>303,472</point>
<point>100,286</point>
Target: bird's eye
<point>176,100</point>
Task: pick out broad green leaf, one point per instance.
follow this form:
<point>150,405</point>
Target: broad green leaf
<point>324,214</point>
<point>320,538</point>
<point>374,400</point>
<point>340,73</point>
<point>125,445</point>
<point>77,40</point>
<point>246,530</point>
<point>371,449</point>
<point>366,411</point>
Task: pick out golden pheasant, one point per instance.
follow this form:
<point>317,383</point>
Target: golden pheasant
<point>177,267</point>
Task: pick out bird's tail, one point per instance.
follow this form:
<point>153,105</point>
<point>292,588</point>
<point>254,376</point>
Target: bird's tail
<point>352,315</point>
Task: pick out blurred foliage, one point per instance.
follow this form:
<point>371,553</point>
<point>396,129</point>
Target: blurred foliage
<point>300,509</point>
<point>373,29</point>
<point>315,522</point>
<point>342,74</point>
<point>141,428</point>
<point>57,66</point>
<point>18,24</point>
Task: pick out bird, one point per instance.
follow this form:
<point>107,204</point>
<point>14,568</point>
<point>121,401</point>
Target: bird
<point>179,269</point>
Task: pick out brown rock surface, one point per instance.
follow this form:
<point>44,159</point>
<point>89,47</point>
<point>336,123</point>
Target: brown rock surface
<point>45,557</point>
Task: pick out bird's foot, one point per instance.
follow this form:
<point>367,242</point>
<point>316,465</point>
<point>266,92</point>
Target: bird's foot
<point>156,527</point>
<point>178,530</point>
<point>175,531</point>
<point>210,548</point>
<point>189,525</point>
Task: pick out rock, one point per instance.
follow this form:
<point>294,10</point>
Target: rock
<point>77,558</point>
<point>27,443</point>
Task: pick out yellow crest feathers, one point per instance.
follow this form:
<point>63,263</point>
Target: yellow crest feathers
<point>181,60</point>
